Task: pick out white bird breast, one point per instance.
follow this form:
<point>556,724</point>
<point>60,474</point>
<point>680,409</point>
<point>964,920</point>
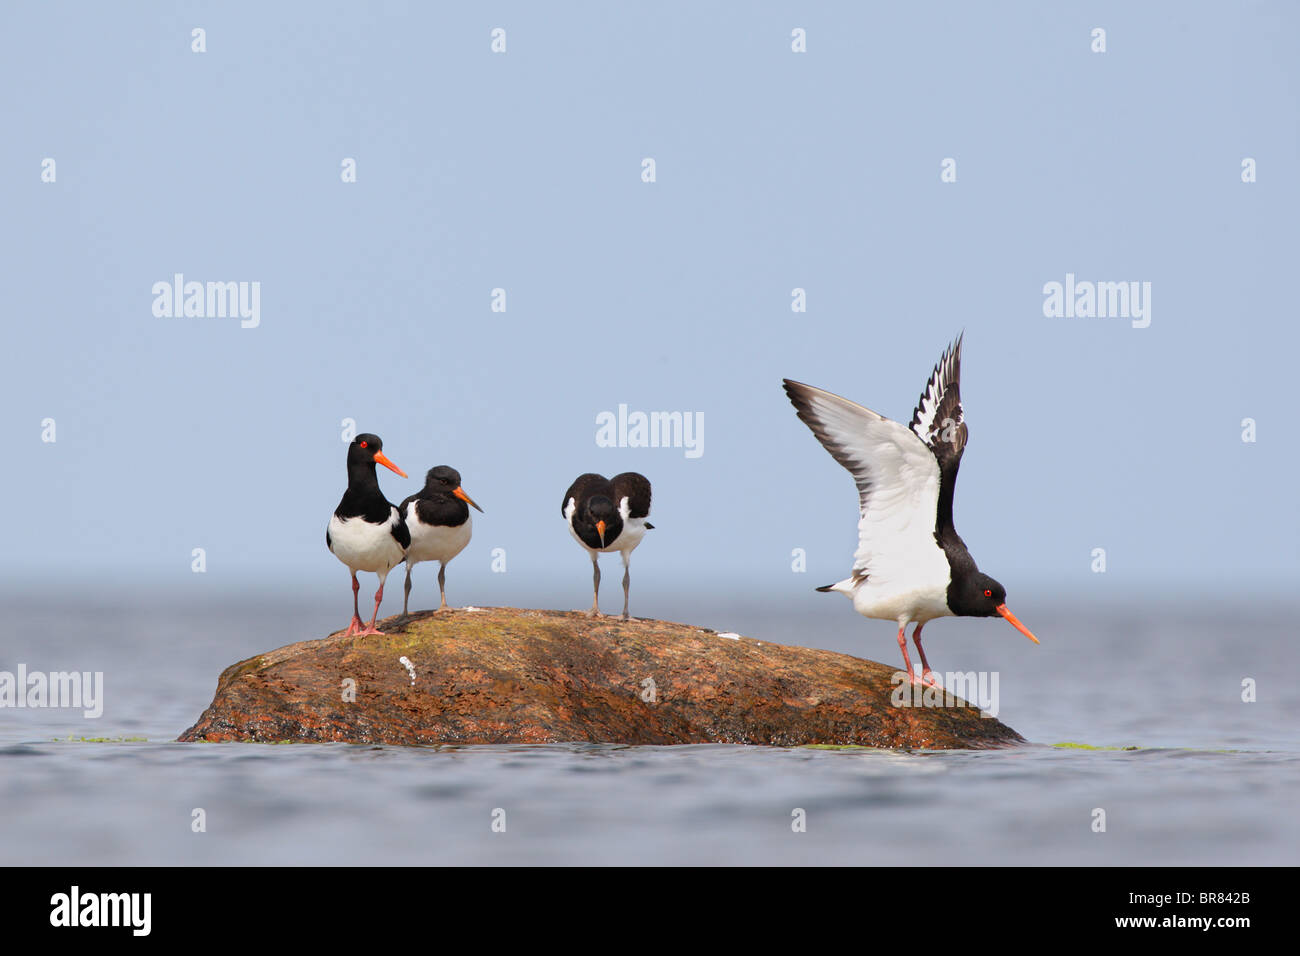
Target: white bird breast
<point>435,542</point>
<point>627,540</point>
<point>894,604</point>
<point>363,546</point>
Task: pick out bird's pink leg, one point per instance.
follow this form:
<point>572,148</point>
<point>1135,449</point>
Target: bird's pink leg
<point>442,586</point>
<point>356,625</point>
<point>902,646</point>
<point>379,596</point>
<point>926,675</point>
<point>595,586</point>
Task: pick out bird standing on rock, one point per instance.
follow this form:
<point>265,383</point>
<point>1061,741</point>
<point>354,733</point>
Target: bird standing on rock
<point>910,565</point>
<point>439,521</point>
<point>367,532</point>
<point>608,515</point>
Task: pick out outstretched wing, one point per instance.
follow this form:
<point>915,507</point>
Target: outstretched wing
<point>897,477</point>
<point>636,488</point>
<point>939,420</point>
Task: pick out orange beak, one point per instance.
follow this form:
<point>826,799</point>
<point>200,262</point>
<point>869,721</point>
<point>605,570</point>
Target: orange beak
<point>460,493</point>
<point>382,459</point>
<point>600,530</point>
<point>1015,622</point>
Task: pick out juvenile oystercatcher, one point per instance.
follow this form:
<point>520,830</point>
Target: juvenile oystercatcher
<point>910,566</point>
<point>608,515</point>
<point>439,521</point>
<point>367,532</point>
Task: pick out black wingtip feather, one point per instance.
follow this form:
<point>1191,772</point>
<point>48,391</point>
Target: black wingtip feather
<point>797,392</point>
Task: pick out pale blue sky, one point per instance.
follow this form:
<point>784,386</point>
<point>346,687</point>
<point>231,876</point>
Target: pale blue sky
<point>775,170</point>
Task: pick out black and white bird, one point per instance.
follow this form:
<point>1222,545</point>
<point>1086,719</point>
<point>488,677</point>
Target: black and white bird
<point>911,565</point>
<point>439,521</point>
<point>608,515</point>
<point>367,532</point>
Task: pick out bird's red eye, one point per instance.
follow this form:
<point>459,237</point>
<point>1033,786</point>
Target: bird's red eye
<point>988,593</point>
<point>367,444</point>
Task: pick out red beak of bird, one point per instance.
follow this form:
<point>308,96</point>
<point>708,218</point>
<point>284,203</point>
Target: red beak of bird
<point>1015,622</point>
<point>382,459</point>
<point>460,493</point>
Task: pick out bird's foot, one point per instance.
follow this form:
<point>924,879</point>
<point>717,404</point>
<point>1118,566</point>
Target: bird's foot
<point>356,627</point>
<point>370,629</point>
<point>444,606</point>
<point>592,612</point>
<point>927,677</point>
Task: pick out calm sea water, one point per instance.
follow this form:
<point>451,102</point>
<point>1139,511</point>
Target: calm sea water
<point>1215,780</point>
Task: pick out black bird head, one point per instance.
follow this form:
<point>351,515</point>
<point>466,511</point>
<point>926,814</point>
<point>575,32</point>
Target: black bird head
<point>978,595</point>
<point>443,479</point>
<point>368,450</point>
<point>603,518</point>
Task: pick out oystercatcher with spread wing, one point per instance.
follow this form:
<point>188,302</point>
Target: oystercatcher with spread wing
<point>911,565</point>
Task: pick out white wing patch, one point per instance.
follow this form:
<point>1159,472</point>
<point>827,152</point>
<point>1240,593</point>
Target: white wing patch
<point>924,422</point>
<point>899,509</point>
<point>939,419</point>
<point>898,488</point>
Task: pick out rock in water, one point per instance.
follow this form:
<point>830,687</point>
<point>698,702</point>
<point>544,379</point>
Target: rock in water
<point>507,676</point>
